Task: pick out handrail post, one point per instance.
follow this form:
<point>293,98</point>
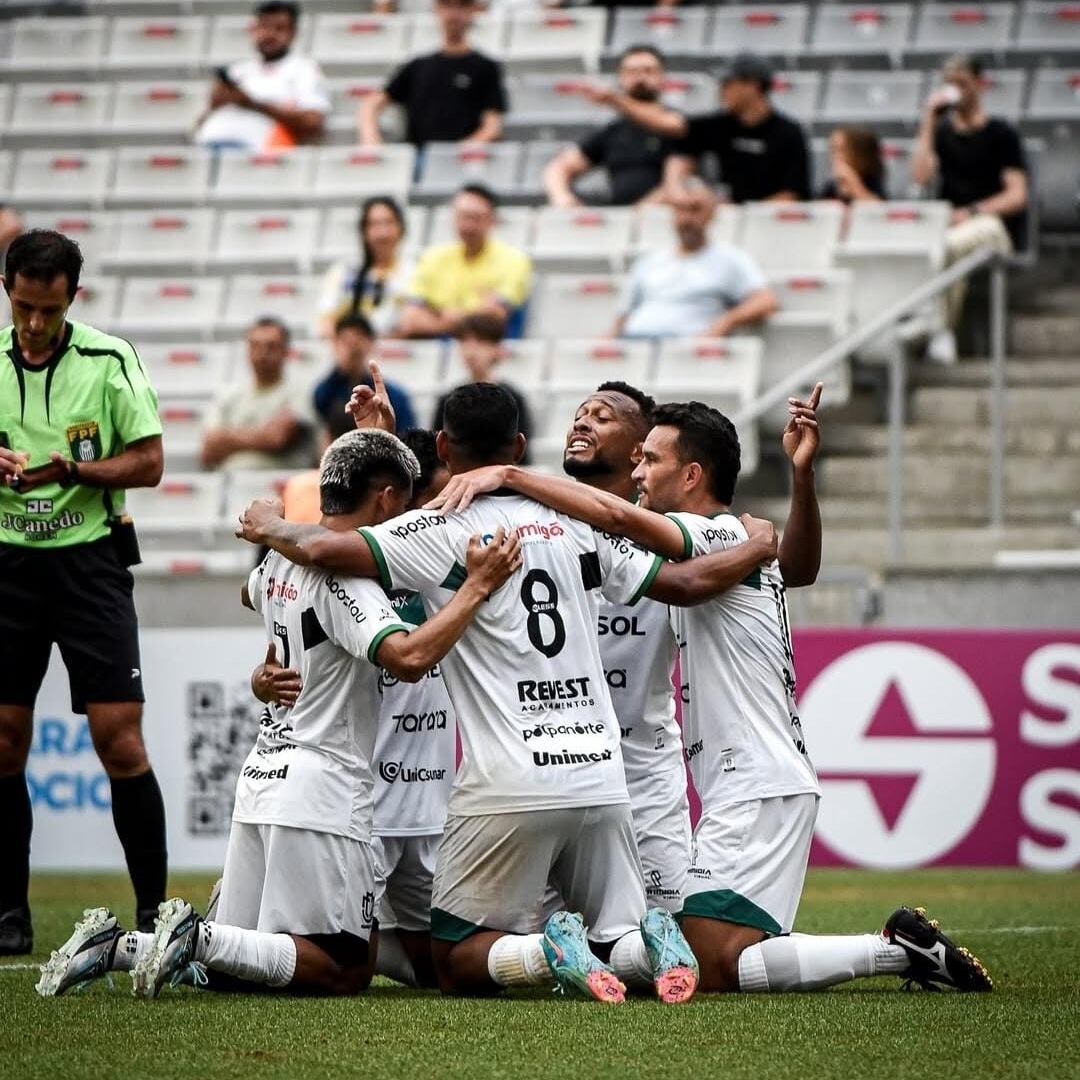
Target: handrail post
<point>997,394</point>
<point>897,401</point>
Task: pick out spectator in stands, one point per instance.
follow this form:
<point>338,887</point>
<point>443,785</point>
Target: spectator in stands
<point>632,155</point>
<point>261,424</point>
<point>476,273</point>
<point>856,167</point>
<point>270,102</point>
<point>978,162</point>
<point>374,286</point>
<point>453,95</point>
<point>480,339</point>
<point>698,288</point>
<point>354,340</point>
<point>762,153</point>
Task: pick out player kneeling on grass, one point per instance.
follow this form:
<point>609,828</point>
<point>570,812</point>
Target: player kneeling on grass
<point>299,891</point>
<point>748,757</point>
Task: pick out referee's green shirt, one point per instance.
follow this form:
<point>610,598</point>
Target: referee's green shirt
<point>89,401</point>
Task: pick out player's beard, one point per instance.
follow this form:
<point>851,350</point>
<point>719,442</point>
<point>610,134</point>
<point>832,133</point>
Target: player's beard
<point>641,92</point>
<point>582,470</point>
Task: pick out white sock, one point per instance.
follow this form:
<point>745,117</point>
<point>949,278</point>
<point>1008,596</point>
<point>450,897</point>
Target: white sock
<point>809,962</point>
<point>393,961</point>
<point>130,949</point>
<point>518,960</point>
<point>630,961</point>
<point>248,954</point>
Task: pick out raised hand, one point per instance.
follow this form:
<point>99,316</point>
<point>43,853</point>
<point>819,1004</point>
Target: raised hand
<point>802,436</point>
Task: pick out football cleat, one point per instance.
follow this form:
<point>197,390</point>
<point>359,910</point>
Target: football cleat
<point>566,948</point>
<point>674,966</point>
<point>85,956</point>
<point>935,960</point>
<point>175,936</point>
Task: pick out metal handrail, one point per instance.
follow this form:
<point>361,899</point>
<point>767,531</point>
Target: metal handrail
<point>839,351</point>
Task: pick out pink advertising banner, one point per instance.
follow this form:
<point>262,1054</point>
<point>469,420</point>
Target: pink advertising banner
<point>943,747</point>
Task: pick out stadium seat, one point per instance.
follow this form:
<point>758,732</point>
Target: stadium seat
<point>513,225</point>
<point>690,92</point>
<point>1055,94</point>
<point>181,500</point>
<point>563,39</point>
<point>197,369</point>
<point>941,29</point>
<point>161,108</point>
<point>284,237</point>
<point>1047,26</point>
<point>275,179</point>
<point>55,45</point>
<point>446,166</point>
<point>819,292</point>
<point>41,113</point>
<point>776,30</point>
<point>882,99</point>
<point>154,45</point>
<point>577,364</point>
<point>355,172</point>
<point>797,93</point>
<point>5,103</point>
<point>487,34</point>
<point>523,364</point>
<point>1003,92</point>
<point>95,302</point>
<point>182,422</point>
<point>61,177</point>
<point>542,106</point>
<point>164,308</point>
<point>585,303</point>
<point>1058,183</point>
<point>360,43</point>
<point>92,230</point>
<point>244,486</point>
<point>725,373</point>
<point>288,297</point>
<point>592,187</point>
<point>173,174</point>
<point>782,235</point>
<point>655,231</point>
<point>170,239</point>
<point>346,95</point>
<point>675,31</point>
<point>861,30</point>
<point>583,238</point>
<point>418,367</point>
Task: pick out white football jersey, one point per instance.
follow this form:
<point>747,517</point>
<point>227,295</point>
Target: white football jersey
<point>537,728</point>
<point>311,764</point>
<point>414,750</point>
<point>741,727</point>
<point>637,647</point>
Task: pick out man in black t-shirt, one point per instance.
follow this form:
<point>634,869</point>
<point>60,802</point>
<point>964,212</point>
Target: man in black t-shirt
<point>979,165</point>
<point>762,153</point>
<point>453,95</point>
<point>632,155</point>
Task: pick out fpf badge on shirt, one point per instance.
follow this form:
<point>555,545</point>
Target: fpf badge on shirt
<point>84,441</point>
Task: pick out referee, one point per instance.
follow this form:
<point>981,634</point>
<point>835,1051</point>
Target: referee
<point>78,424</point>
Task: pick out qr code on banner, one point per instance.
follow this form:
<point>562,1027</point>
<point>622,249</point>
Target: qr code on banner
<point>223,721</point>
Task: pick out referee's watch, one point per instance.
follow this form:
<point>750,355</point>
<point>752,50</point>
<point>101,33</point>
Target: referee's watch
<point>72,477</point>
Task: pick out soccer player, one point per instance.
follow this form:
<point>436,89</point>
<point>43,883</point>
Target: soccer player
<point>299,892</point>
<point>758,789</point>
<point>540,793</point>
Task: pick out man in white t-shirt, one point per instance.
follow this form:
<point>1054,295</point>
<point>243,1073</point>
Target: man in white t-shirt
<point>744,741</point>
<point>697,288</point>
<point>272,101</point>
<point>540,795</point>
<point>300,888</point>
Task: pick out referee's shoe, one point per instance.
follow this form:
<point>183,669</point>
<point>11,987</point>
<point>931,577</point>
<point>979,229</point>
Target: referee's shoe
<point>16,933</point>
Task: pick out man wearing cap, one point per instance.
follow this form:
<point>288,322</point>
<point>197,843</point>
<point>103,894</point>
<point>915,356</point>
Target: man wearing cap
<point>762,153</point>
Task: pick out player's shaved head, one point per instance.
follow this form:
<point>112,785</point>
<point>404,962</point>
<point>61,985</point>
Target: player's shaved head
<point>359,462</point>
<point>480,426</point>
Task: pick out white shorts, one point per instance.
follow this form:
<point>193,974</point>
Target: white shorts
<point>661,813</point>
<point>749,862</point>
<point>493,872</point>
<point>408,866</point>
<point>294,881</point>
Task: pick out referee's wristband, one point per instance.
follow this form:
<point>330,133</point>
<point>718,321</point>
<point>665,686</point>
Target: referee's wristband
<point>72,477</point>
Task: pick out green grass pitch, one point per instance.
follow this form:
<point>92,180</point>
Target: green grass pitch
<point>1025,926</point>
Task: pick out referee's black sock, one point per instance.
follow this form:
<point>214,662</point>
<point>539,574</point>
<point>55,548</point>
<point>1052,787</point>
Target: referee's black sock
<point>139,815</point>
<point>18,822</point>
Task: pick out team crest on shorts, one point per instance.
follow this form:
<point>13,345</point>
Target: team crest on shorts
<point>367,908</point>
<point>84,441</point>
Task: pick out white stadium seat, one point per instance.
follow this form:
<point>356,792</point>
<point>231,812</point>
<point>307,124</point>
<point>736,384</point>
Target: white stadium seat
<point>361,42</point>
<point>580,238</point>
<point>418,367</point>
<point>861,30</point>
<point>675,31</point>
<point>523,365</point>
<point>55,45</point>
<point>183,420</point>
<point>61,177</point>
<point>779,235</point>
<point>346,96</point>
<point>180,501</point>
<point>41,112</point>
<point>1047,26</point>
<point>95,302</point>
<point>244,486</point>
<point>287,297</point>
<point>159,107</point>
<point>92,230</point>
<point>941,29</point>
<point>563,39</point>
<point>547,103</point>
<point>195,369</point>
<point>876,98</point>
<point>268,235</point>
<point>583,304</point>
<point>170,307</point>
<point>274,178</point>
<point>797,93</point>
<point>162,238</point>
<point>777,29</point>
<point>153,44</point>
<point>173,174</point>
<point>826,293</point>
<point>1055,95</point>
<point>581,365</point>
<point>446,166</point>
<point>344,172</point>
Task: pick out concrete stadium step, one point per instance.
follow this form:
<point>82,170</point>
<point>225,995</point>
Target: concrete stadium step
<point>1025,405</point>
<point>869,440</point>
<point>1019,371</point>
<point>1046,334</point>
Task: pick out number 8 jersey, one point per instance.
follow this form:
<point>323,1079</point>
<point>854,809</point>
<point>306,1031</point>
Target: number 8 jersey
<point>537,727</point>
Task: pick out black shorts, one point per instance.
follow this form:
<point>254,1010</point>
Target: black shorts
<point>81,598</point>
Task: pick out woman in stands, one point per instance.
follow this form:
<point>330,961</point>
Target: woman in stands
<point>856,166</point>
<point>373,286</point>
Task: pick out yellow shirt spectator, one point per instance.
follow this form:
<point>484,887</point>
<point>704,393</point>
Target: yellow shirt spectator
<point>446,280</point>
